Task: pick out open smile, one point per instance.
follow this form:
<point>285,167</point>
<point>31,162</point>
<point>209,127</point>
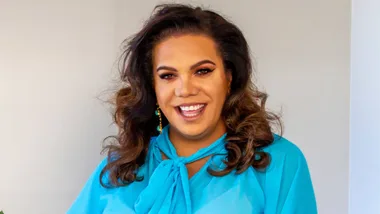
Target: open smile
<point>191,112</point>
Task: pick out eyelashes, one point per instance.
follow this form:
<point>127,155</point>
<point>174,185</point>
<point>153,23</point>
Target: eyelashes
<point>203,71</point>
<point>199,72</point>
<point>166,76</point>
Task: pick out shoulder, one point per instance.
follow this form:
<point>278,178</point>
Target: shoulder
<point>282,145</point>
<point>88,199</point>
<point>286,181</point>
<point>284,153</point>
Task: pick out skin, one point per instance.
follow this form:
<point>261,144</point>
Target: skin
<point>188,69</point>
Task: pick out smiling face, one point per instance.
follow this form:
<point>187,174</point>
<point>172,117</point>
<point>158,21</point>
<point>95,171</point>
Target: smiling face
<point>191,85</point>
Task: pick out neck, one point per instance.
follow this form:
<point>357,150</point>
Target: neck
<point>186,146</point>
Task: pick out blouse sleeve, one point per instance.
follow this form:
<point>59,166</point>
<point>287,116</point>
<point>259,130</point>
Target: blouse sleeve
<point>288,183</point>
<point>89,199</point>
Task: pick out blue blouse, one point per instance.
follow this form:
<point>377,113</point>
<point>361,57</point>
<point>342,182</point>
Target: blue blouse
<point>284,187</point>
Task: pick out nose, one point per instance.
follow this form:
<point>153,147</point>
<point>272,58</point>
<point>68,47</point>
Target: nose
<point>185,88</point>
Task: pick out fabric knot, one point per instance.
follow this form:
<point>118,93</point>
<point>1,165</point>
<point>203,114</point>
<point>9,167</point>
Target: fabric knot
<point>168,186</point>
<point>179,161</point>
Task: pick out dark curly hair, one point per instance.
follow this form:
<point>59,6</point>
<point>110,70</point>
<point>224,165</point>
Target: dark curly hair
<point>249,125</point>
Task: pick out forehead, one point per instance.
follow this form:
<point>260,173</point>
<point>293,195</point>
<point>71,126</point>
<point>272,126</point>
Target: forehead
<point>185,49</point>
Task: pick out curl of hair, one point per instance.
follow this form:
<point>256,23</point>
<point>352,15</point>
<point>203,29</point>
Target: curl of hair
<point>249,125</point>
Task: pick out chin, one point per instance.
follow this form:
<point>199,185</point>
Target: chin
<point>195,131</point>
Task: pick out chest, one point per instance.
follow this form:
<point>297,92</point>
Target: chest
<point>226,203</point>
<point>224,195</point>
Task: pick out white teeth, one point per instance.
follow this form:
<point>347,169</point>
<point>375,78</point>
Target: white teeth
<point>190,115</point>
<point>191,108</point>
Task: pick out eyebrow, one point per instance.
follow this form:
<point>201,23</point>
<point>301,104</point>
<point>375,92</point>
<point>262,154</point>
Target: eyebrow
<point>163,67</point>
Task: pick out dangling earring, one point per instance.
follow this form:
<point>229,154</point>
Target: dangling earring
<point>158,113</point>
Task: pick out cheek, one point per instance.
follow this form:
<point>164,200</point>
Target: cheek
<point>217,94</point>
<point>162,93</point>
<point>218,87</point>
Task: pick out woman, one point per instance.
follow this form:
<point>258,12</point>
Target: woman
<point>188,76</point>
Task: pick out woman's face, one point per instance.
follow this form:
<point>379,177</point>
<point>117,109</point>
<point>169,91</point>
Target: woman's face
<point>190,84</point>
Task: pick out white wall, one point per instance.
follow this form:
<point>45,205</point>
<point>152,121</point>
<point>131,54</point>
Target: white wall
<point>58,57</point>
<point>365,107</point>
<point>55,59</point>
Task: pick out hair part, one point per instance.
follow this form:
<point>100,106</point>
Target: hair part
<point>249,125</point>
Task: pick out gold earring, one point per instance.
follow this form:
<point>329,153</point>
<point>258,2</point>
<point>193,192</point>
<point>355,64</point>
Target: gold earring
<point>158,113</point>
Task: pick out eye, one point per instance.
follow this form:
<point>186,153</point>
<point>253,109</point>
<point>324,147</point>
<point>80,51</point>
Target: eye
<point>166,76</point>
<point>203,71</point>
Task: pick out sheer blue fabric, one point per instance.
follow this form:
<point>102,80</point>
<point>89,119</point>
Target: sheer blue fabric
<point>171,178</point>
<point>284,187</point>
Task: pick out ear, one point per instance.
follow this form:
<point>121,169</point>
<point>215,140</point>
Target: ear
<point>229,77</point>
